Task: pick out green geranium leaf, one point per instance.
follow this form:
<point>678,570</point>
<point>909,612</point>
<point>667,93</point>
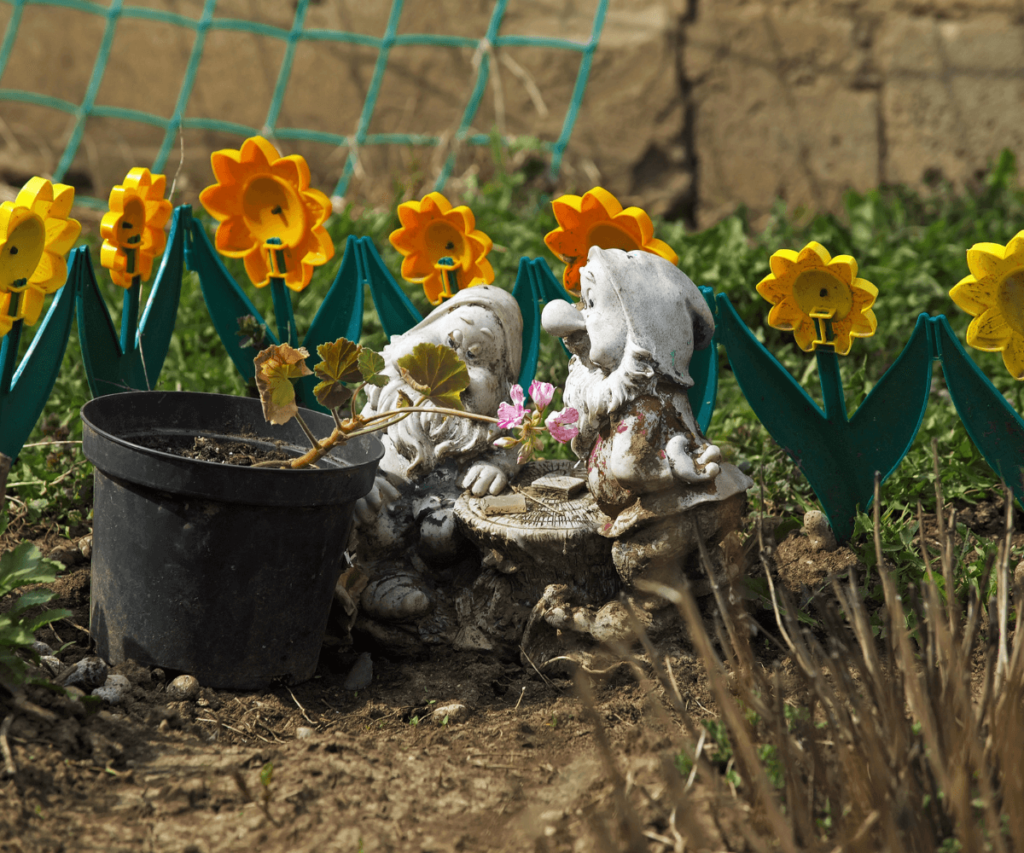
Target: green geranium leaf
<point>370,365</point>
<point>332,395</point>
<point>339,361</point>
<point>276,367</point>
<point>437,373</point>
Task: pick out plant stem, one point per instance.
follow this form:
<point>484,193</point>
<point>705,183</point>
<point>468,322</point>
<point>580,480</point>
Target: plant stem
<point>431,410</point>
<point>307,431</point>
<point>380,421</point>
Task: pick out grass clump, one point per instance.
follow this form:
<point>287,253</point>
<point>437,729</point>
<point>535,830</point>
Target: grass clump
<point>845,741</point>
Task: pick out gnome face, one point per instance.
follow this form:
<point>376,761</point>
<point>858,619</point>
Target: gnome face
<point>602,313</point>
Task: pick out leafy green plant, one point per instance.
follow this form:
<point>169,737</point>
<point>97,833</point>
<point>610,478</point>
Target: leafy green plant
<point>20,567</point>
<point>433,371</point>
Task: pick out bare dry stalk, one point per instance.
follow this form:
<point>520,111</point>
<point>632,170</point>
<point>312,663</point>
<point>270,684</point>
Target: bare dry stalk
<point>890,748</point>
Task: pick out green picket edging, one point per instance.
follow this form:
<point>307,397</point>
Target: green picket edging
<point>133,359</point>
<point>24,392</point>
<point>293,37</point>
<point>992,424</point>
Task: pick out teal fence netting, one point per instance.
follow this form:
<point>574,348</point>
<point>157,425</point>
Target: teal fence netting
<point>209,21</point>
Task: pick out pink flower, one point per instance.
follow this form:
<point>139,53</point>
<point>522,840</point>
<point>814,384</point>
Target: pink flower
<point>512,416</point>
<point>557,424</point>
<point>541,393</point>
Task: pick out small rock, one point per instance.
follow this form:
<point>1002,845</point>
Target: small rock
<point>360,676</point>
<point>41,649</point>
<point>1018,573</point>
<point>52,664</point>
<point>184,688</point>
<point>447,714</point>
<point>303,732</point>
<point>115,690</point>
<point>819,534</point>
<point>77,692</point>
<point>68,554</point>
<point>89,673</point>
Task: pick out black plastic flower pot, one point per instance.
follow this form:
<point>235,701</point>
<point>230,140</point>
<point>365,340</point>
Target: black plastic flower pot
<point>220,571</point>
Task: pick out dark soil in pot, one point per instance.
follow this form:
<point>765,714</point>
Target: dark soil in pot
<point>208,449</point>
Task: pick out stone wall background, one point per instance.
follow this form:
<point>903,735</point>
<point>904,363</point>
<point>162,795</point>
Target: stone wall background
<point>693,107</point>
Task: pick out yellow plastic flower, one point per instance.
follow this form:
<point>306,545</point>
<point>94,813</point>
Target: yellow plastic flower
<point>812,291</point>
<point>432,231</point>
<point>994,295</point>
<point>133,228</point>
<point>268,214</point>
<point>36,234</point>
<point>597,219</point>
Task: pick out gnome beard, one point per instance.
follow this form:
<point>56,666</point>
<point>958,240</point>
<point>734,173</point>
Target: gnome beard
<point>427,440</point>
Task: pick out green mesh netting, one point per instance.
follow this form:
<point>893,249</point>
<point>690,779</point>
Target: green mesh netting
<point>208,21</point>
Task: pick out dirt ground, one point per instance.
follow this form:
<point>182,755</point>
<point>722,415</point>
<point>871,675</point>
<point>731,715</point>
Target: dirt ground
<point>450,752</point>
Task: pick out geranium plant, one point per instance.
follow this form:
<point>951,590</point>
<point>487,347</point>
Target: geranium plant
<point>435,372</point>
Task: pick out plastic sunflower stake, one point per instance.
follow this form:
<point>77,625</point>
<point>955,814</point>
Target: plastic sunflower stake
<point>823,302</point>
<point>270,217</point>
<point>993,294</point>
<point>597,219</point>
<point>992,424</point>
<point>36,233</point>
<point>441,247</point>
<point>133,232</point>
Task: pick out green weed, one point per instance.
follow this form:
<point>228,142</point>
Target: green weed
<point>20,567</point>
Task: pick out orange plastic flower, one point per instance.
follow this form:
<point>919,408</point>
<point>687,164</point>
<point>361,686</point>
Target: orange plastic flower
<point>133,228</point>
<point>432,230</point>
<point>994,295</point>
<point>812,290</point>
<point>597,219</point>
<point>268,214</point>
<point>36,233</point>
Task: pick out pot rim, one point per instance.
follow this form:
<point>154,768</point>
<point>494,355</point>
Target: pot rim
<point>347,475</point>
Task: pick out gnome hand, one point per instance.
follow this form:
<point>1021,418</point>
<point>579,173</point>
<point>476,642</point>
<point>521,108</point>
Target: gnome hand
<point>684,467</point>
<point>484,478</point>
<point>369,507</point>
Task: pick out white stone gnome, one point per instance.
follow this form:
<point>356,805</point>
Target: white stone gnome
<point>661,483</point>
<point>406,534</point>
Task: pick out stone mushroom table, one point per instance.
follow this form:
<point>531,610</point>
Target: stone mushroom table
<point>541,531</point>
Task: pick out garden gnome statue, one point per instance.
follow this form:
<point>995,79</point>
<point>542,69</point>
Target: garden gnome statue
<point>407,540</point>
<point>662,485</point>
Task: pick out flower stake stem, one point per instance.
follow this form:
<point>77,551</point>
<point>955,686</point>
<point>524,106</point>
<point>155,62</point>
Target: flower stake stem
<point>130,310</point>
<point>284,314</point>
<point>9,348</point>
<point>450,277</point>
<point>832,397</point>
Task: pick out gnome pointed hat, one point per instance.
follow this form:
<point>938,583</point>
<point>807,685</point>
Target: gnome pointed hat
<point>499,302</point>
<point>665,312</point>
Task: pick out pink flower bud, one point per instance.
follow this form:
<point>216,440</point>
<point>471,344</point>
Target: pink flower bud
<point>541,393</point>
